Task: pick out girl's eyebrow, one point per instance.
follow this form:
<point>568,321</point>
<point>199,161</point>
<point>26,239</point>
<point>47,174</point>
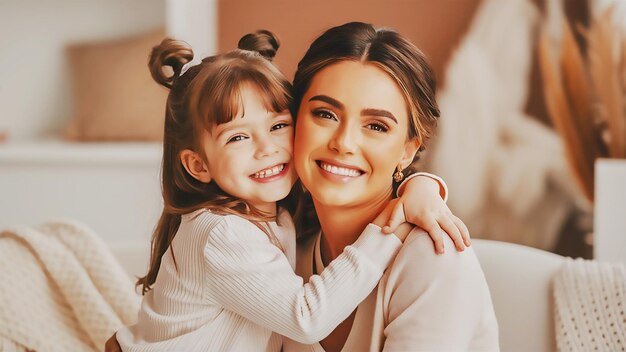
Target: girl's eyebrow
<point>365,112</point>
<point>221,130</point>
<point>280,113</point>
<point>227,127</point>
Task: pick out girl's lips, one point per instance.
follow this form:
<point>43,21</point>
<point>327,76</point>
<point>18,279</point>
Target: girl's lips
<point>283,172</point>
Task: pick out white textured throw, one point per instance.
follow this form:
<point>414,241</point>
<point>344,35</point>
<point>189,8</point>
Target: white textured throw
<point>61,289</point>
<point>590,301</point>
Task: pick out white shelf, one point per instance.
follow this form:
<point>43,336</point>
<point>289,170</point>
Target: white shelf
<point>58,151</point>
<point>114,188</point>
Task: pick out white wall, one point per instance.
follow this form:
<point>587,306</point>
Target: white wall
<point>34,88</point>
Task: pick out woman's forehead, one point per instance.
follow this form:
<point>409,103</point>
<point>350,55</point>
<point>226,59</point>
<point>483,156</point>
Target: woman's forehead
<point>357,85</point>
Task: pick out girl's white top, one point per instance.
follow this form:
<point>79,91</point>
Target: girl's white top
<point>224,286</point>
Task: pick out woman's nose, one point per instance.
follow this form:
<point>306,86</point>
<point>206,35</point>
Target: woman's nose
<point>344,140</point>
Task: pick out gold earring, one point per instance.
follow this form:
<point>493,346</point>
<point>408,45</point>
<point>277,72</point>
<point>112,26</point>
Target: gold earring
<point>398,175</point>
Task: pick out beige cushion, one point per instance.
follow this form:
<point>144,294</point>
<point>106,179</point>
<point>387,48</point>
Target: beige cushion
<point>114,96</point>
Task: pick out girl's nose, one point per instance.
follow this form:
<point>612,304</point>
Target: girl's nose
<point>265,147</point>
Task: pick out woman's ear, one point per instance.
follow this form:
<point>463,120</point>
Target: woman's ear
<point>195,166</point>
<point>410,149</point>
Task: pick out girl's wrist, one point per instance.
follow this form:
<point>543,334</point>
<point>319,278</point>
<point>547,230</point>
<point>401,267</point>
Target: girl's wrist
<point>443,188</point>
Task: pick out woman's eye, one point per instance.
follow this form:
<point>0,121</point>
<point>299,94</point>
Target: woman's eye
<point>279,126</point>
<point>236,138</point>
<point>378,127</point>
<point>325,114</point>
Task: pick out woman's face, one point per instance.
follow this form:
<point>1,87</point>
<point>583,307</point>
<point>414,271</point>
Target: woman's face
<point>351,134</point>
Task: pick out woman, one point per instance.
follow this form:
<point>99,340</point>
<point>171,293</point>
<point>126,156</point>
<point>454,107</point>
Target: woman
<point>365,101</point>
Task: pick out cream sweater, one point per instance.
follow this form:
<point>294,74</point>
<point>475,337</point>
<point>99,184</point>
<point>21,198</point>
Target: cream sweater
<point>234,290</point>
<point>424,302</point>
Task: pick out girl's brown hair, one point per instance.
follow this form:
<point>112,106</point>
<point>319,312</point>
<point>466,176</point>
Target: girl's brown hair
<point>391,52</point>
<point>203,96</point>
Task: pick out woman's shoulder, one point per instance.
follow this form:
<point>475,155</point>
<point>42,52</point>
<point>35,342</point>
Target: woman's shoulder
<point>417,256</point>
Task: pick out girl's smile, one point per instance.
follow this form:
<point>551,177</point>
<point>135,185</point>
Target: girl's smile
<point>270,174</point>
<point>250,156</point>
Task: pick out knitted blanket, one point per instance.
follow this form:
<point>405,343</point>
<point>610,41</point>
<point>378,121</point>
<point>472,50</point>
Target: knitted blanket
<point>61,289</point>
<point>590,302</point>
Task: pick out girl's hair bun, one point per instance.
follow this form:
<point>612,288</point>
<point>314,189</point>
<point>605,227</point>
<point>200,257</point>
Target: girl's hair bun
<point>172,53</point>
<point>262,41</point>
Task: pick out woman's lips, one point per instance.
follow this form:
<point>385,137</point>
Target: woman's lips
<point>337,171</point>
<point>270,174</point>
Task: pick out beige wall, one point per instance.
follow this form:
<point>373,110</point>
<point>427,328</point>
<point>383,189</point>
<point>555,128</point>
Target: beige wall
<point>35,92</point>
<point>435,26</point>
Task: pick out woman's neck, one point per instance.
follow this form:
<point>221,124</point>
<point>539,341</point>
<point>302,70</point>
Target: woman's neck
<point>341,226</point>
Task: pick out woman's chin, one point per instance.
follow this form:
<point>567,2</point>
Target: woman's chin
<point>332,198</point>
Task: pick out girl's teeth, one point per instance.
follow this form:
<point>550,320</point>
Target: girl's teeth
<point>342,171</point>
<point>270,172</point>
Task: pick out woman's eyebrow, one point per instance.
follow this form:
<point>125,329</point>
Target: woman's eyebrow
<point>379,112</point>
<point>364,112</point>
<point>329,100</point>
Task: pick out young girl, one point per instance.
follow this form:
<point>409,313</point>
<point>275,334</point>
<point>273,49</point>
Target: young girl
<point>221,269</point>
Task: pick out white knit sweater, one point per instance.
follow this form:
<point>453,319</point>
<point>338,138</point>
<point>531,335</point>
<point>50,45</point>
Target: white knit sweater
<point>234,290</point>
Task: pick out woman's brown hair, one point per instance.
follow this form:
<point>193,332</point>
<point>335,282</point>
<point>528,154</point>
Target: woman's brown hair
<point>203,96</point>
<point>389,51</point>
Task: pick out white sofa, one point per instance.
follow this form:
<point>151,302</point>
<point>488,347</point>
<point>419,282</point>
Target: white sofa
<point>520,281</point>
<point>519,278</point>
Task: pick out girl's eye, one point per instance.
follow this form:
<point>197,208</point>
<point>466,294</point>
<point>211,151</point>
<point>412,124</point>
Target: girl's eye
<point>378,127</point>
<point>236,138</point>
<point>325,114</point>
<point>279,126</point>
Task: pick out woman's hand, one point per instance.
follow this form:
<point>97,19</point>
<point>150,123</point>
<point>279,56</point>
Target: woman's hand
<point>112,345</point>
<point>422,205</point>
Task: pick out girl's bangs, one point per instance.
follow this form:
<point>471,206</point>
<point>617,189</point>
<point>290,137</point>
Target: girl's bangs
<point>217,98</point>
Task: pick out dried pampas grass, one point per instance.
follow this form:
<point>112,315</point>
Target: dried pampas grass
<point>606,73</point>
<point>585,96</point>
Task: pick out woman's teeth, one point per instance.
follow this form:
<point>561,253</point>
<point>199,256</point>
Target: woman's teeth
<point>342,171</point>
<point>269,172</point>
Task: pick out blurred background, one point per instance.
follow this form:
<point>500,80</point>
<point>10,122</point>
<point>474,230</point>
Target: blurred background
<point>81,118</point>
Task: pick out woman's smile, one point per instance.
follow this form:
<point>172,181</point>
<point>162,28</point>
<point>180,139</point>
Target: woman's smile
<point>351,134</point>
<point>337,171</point>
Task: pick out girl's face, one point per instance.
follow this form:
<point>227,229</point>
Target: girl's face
<point>250,156</point>
<point>351,134</point>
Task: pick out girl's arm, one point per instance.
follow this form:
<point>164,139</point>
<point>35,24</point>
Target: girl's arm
<point>423,203</point>
<point>249,276</point>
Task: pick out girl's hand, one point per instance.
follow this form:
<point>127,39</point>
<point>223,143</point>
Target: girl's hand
<point>402,230</point>
<point>421,205</point>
